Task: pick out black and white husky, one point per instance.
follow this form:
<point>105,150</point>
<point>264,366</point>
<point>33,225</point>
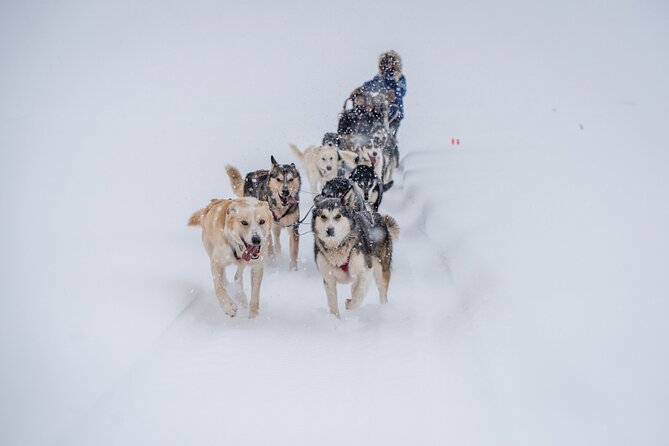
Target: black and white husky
<point>345,189</point>
<point>368,184</point>
<point>350,247</point>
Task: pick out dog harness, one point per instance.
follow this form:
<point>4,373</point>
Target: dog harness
<point>344,266</point>
<point>278,219</point>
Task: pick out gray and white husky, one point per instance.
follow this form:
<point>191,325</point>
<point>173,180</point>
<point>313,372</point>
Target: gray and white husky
<point>350,247</point>
<point>380,152</point>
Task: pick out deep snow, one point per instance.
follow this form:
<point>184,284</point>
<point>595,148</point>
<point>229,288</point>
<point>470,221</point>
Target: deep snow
<point>529,294</point>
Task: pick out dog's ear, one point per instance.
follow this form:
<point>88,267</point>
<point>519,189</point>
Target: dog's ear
<point>348,157</point>
<point>348,199</point>
<point>232,210</point>
<point>318,199</point>
<point>274,163</point>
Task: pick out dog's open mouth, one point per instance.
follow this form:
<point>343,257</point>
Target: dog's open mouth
<point>288,200</point>
<point>372,159</point>
<point>251,252</point>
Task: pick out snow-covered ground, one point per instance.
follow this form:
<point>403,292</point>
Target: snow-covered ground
<point>529,292</point>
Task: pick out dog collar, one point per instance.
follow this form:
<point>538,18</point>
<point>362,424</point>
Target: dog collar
<point>344,266</point>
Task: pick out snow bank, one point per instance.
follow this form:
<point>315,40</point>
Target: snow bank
<point>556,252</point>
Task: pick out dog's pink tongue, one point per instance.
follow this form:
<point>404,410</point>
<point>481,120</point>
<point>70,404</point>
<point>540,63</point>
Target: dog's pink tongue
<point>372,159</point>
<point>291,200</point>
<point>251,252</point>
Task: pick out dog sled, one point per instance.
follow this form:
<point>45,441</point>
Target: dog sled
<point>361,115</point>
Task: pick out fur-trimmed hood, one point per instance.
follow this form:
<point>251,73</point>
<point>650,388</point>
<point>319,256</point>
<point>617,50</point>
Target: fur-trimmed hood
<point>390,56</point>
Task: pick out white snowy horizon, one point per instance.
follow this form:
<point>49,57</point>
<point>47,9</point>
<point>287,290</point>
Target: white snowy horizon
<point>529,291</point>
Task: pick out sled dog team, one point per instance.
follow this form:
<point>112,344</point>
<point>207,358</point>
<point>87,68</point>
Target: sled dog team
<point>353,243</point>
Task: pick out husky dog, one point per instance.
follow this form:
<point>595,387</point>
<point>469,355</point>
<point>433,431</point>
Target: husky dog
<point>367,155</point>
<point>380,152</point>
<point>383,138</point>
<point>352,246</point>
<point>368,184</point>
<point>235,232</point>
<point>280,188</point>
<point>321,163</point>
<point>345,189</point>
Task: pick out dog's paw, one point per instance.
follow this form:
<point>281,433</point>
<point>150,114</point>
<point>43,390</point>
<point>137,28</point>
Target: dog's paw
<point>253,311</point>
<point>230,308</point>
<point>350,305</point>
<point>293,266</point>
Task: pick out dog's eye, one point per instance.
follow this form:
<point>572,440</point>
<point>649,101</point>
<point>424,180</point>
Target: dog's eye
<point>324,159</point>
<point>323,217</point>
<point>337,217</point>
<point>245,223</point>
<point>262,221</point>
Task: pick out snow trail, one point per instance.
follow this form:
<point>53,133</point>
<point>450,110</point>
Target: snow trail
<point>381,373</point>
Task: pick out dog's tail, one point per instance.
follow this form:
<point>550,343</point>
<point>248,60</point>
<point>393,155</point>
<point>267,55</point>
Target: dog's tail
<point>236,180</point>
<point>298,153</point>
<point>196,218</point>
<point>388,185</point>
<point>391,224</point>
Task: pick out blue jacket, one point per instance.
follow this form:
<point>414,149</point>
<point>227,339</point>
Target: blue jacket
<point>383,85</point>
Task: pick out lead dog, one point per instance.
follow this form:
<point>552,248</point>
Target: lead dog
<point>235,232</point>
<point>280,188</point>
<point>350,247</point>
